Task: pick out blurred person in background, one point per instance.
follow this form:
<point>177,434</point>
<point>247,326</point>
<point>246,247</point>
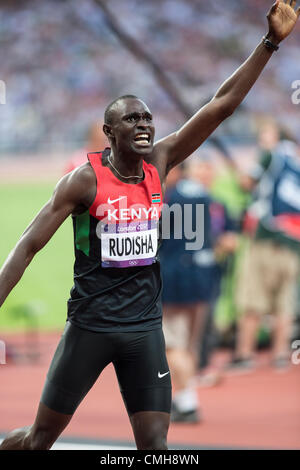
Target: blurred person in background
<point>231,188</point>
<point>235,188</point>
<point>191,280</point>
<point>269,268</point>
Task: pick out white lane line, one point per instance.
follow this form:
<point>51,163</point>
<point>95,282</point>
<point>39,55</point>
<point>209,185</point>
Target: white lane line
<point>78,446</point>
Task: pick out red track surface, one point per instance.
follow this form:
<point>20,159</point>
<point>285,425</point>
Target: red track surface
<point>257,410</point>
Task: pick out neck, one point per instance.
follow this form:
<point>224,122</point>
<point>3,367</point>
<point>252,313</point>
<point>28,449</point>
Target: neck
<point>127,165</point>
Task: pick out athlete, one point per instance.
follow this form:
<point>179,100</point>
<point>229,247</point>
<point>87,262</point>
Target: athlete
<point>114,312</point>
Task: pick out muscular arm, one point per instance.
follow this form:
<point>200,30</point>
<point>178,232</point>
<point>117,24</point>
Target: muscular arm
<point>73,191</point>
<point>176,147</point>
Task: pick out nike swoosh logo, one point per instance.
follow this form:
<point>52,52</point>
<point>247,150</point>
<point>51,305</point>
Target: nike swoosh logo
<point>112,201</point>
<point>160,376</point>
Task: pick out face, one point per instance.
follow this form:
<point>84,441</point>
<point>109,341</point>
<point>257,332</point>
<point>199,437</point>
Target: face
<point>201,171</point>
<point>132,129</point>
<point>269,136</point>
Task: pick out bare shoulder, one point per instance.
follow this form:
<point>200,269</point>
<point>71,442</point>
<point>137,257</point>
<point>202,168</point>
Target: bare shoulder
<point>84,175</point>
<point>78,186</point>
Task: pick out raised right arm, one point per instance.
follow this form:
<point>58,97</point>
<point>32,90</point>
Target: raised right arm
<point>73,192</point>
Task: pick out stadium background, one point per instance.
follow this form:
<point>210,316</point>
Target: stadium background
<point>62,64</point>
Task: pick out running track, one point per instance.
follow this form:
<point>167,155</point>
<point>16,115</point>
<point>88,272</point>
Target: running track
<point>259,410</point>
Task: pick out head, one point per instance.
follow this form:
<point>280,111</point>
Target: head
<point>268,133</point>
<point>128,125</point>
<point>201,169</point>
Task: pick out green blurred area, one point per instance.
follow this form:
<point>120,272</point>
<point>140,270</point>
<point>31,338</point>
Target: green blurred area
<point>44,288</point>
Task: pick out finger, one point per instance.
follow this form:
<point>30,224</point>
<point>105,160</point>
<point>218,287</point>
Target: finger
<point>274,7</point>
<point>298,12</point>
<point>293,3</point>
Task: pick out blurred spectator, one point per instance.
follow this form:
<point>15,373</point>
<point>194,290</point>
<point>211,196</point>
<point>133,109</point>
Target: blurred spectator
<point>190,279</point>
<point>270,266</point>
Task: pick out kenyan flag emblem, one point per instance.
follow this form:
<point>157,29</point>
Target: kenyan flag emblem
<point>155,198</point>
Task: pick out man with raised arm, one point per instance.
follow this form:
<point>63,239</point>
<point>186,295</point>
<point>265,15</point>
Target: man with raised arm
<point>114,312</point>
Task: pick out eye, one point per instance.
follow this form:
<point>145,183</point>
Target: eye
<point>132,118</point>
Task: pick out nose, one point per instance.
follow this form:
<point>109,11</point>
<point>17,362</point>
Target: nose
<point>143,123</point>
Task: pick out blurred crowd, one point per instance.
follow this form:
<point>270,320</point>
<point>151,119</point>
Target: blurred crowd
<point>62,64</point>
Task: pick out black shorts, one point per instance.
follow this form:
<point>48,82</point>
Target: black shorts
<point>139,360</point>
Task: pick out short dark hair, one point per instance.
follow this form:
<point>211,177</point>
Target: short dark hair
<point>108,114</point>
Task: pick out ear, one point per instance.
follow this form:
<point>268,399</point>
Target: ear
<point>107,129</point>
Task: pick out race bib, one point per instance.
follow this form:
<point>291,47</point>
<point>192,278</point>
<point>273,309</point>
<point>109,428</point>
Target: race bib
<point>129,244</point>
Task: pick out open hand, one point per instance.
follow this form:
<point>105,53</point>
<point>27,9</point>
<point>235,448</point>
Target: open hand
<point>282,19</point>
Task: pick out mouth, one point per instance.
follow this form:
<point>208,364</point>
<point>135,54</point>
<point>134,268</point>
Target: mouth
<point>143,139</point>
